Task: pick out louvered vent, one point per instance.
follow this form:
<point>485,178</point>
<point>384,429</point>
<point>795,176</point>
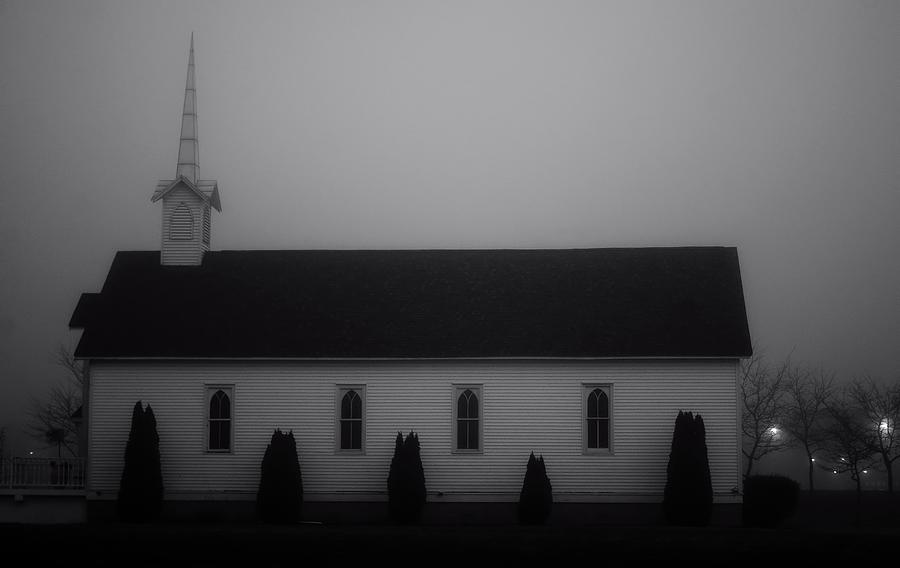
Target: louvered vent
<point>206,226</point>
<point>181,226</point>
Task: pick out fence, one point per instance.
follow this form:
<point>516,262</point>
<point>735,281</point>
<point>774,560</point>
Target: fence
<point>42,473</point>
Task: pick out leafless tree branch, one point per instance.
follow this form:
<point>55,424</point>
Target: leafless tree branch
<point>50,420</point>
<point>808,392</point>
<point>762,393</point>
<point>880,405</point>
<point>850,438</point>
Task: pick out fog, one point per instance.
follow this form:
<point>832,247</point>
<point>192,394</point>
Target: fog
<point>772,126</point>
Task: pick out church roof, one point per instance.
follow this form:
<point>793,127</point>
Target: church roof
<point>534,303</point>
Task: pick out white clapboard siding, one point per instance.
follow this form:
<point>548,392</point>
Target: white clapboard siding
<point>179,251</point>
<point>527,406</point>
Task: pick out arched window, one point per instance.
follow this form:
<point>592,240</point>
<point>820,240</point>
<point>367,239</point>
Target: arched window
<point>181,224</point>
<point>206,225</point>
<point>219,420</point>
<point>351,420</point>
<point>468,420</point>
<point>597,419</point>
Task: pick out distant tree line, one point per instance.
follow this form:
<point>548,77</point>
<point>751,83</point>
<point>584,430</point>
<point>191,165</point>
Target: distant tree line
<point>842,429</point>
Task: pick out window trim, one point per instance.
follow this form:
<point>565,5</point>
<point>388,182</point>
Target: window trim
<point>339,392</point>
<point>586,390</point>
<point>210,390</point>
<point>455,392</point>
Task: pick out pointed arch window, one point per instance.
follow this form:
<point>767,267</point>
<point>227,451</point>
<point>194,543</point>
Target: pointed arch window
<point>467,419</point>
<point>351,426</point>
<point>597,418</point>
<point>219,418</point>
<point>181,224</point>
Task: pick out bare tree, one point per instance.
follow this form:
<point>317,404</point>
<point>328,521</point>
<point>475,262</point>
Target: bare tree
<point>762,393</point>
<point>881,407</point>
<point>50,420</point>
<point>808,392</point>
<point>850,441</point>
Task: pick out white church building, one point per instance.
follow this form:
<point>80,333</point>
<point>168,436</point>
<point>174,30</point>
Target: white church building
<point>582,355</point>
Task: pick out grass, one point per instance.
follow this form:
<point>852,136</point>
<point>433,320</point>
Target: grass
<point>822,531</point>
<point>262,545</point>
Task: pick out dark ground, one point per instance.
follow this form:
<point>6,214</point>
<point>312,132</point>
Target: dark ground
<point>823,532</point>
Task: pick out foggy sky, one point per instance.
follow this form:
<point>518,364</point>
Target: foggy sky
<point>772,126</point>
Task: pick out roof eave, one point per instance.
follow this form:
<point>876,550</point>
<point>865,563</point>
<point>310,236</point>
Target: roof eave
<point>355,359</point>
<point>190,185</point>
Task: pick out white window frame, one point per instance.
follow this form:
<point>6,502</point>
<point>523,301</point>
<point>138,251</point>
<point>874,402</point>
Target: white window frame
<point>456,391</point>
<point>210,391</point>
<point>586,390</point>
<point>339,392</point>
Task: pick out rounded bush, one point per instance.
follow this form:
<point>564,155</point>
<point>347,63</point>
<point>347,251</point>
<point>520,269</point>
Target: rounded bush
<point>769,500</point>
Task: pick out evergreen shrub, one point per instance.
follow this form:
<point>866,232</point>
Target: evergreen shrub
<point>280,496</point>
<point>536,497</point>
<point>688,494</point>
<point>141,486</point>
<point>406,481</point>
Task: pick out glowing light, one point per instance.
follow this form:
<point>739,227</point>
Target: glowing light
<point>843,460</point>
<point>30,453</point>
<point>885,427</point>
<point>865,471</point>
<point>834,471</point>
<point>773,430</point>
<point>812,459</point>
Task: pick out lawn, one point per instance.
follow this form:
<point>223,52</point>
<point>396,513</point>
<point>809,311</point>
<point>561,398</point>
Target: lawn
<point>260,545</point>
<point>823,532</point>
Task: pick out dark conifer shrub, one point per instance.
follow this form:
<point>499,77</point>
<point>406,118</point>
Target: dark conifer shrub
<point>536,498</point>
<point>141,485</point>
<point>769,500</point>
<point>280,495</point>
<point>154,479</point>
<point>406,481</point>
<point>688,494</point>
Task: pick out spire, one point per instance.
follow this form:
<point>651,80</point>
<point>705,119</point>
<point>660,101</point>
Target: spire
<point>189,146</point>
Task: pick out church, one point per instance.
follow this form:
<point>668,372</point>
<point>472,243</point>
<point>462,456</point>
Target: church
<point>584,356</point>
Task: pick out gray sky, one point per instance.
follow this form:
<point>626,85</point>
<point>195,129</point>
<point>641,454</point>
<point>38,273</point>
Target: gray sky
<point>773,126</point>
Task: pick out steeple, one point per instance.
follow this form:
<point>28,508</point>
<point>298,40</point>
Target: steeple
<point>189,146</point>
<point>187,199</point>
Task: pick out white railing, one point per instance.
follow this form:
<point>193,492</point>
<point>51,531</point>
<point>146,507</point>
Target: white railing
<point>42,473</point>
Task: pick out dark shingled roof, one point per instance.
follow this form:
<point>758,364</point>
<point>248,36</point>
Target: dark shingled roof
<point>640,302</point>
